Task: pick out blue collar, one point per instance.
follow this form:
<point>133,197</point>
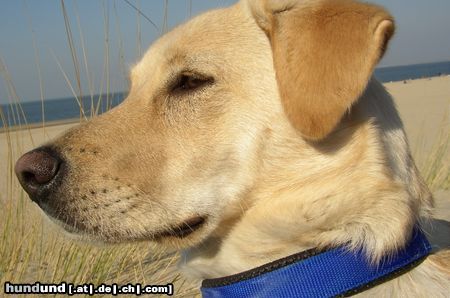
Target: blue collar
<point>330,273</point>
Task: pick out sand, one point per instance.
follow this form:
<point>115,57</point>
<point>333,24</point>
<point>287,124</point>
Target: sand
<point>423,104</point>
<point>424,107</point>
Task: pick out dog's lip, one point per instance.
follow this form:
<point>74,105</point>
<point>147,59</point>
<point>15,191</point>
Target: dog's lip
<point>184,229</point>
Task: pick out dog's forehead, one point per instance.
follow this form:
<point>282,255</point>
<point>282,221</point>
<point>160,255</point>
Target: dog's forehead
<point>211,38</point>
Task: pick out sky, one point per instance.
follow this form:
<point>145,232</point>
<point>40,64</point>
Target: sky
<point>36,61</point>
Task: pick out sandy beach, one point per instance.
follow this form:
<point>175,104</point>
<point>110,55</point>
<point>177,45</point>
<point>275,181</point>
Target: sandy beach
<point>423,105</point>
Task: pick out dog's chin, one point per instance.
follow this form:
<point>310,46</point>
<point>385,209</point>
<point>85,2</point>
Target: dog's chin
<point>182,235</point>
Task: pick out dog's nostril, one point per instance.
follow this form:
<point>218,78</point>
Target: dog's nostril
<point>29,176</point>
<point>36,169</point>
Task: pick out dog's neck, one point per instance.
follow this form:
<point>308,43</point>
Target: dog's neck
<point>341,191</point>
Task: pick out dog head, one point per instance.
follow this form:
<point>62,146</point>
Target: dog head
<point>187,149</point>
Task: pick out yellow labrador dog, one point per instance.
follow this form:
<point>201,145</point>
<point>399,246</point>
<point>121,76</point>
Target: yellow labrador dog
<point>250,133</point>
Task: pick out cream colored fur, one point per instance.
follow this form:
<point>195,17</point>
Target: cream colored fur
<point>275,165</point>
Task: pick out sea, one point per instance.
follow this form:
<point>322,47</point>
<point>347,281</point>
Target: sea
<point>63,109</point>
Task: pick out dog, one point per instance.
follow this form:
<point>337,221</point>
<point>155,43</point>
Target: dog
<point>250,133</point>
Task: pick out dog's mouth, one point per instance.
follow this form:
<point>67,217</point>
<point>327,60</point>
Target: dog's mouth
<point>180,231</point>
<point>184,229</point>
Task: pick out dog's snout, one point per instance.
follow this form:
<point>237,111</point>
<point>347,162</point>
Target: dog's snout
<point>37,170</point>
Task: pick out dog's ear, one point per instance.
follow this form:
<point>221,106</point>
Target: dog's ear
<point>324,54</point>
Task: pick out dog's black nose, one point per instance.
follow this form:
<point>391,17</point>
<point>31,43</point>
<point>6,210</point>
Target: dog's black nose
<point>37,170</point>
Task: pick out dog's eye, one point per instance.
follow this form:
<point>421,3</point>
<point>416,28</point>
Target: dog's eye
<point>189,82</point>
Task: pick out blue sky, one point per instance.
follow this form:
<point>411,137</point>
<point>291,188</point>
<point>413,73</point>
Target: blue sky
<point>423,35</point>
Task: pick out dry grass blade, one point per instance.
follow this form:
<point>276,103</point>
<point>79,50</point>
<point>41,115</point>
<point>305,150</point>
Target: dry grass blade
<point>122,64</point>
<point>73,53</point>
<point>14,101</point>
<point>143,14</point>
<point>165,26</point>
<point>38,67</point>
<point>435,166</point>
<point>138,33</point>
<point>78,99</point>
<point>86,68</point>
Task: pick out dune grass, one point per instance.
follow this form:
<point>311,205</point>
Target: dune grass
<point>435,164</point>
<point>33,250</point>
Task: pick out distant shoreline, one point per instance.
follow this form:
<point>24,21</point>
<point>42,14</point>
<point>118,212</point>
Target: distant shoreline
<point>40,125</point>
<point>415,79</point>
<point>411,72</point>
